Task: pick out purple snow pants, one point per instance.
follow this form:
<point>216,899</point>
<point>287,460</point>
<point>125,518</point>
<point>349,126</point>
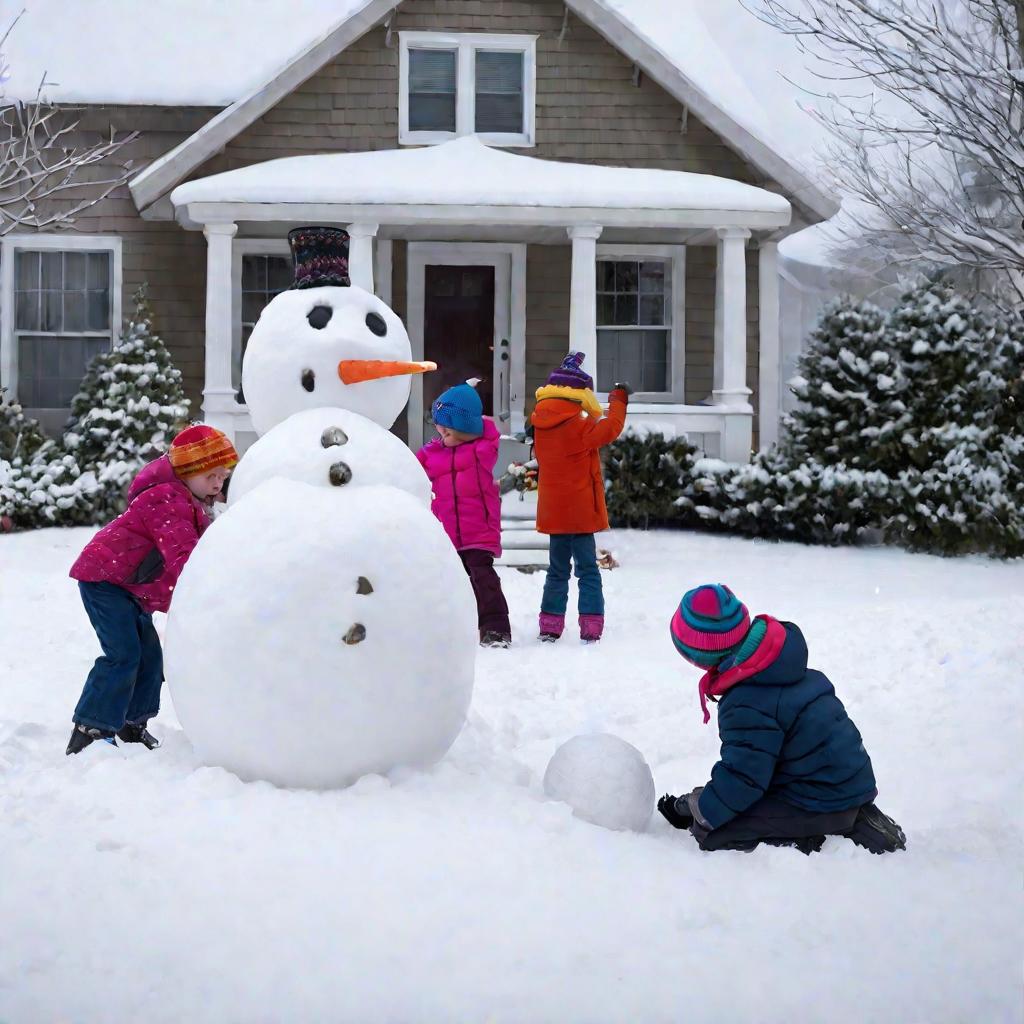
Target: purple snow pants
<point>491,607</point>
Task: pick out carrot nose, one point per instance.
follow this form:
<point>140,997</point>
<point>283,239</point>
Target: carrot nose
<point>355,371</point>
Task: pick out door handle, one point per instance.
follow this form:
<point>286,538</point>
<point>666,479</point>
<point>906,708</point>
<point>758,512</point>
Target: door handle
<point>504,383</point>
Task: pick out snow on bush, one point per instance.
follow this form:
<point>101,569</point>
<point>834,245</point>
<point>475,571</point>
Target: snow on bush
<point>910,425</point>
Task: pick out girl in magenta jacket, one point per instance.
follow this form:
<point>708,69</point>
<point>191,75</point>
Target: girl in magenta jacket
<point>460,463</point>
<point>128,571</point>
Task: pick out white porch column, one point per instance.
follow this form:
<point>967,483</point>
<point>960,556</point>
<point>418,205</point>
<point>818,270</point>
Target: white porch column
<point>360,254</point>
<point>768,361</point>
<point>583,293</point>
<point>219,406</point>
<point>731,347</point>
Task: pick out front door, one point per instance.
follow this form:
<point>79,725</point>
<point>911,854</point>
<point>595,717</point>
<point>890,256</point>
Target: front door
<point>458,331</point>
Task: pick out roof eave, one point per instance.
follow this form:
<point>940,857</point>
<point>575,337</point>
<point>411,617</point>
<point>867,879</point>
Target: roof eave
<point>174,166</point>
<point>197,214</point>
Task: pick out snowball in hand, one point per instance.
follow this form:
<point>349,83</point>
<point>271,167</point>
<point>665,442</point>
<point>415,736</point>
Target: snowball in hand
<point>605,781</point>
<point>312,641</point>
<point>306,447</point>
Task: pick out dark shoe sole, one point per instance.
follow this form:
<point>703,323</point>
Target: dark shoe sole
<point>876,832</point>
<point>549,638</point>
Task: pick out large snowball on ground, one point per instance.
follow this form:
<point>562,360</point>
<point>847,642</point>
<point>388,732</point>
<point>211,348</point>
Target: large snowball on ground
<point>312,641</point>
<point>291,359</point>
<point>331,448</point>
<point>604,779</point>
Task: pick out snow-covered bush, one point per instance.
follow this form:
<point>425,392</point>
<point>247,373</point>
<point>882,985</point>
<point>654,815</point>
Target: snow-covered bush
<point>130,406</point>
<point>910,426</point>
<point>645,477</point>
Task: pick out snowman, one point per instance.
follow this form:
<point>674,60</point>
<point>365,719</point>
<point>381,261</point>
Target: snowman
<point>324,627</point>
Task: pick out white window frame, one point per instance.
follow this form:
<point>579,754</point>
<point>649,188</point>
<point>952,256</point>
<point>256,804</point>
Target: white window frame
<point>246,247</point>
<point>675,256</point>
<point>466,44</point>
<point>49,242</point>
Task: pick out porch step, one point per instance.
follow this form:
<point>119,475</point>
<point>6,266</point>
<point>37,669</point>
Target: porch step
<point>524,540</point>
<point>514,558</point>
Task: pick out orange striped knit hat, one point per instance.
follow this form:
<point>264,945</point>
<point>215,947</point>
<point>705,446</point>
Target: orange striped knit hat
<point>200,448</point>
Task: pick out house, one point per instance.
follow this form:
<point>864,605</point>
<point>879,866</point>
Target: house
<point>515,175</point>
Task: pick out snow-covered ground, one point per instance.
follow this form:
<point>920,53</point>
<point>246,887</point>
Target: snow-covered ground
<point>137,884</point>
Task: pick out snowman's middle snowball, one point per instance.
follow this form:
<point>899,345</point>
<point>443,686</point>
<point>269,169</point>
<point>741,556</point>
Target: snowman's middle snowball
<point>315,638</point>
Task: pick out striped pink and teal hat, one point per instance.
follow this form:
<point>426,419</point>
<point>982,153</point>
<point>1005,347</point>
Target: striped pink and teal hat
<point>709,624</point>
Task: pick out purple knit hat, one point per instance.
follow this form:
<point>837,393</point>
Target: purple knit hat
<point>569,374</point>
<point>320,256</point>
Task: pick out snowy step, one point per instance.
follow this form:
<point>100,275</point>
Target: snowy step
<point>524,559</point>
<point>522,540</point>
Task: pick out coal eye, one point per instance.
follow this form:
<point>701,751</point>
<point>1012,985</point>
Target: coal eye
<point>319,317</point>
<point>308,380</point>
<point>376,324</point>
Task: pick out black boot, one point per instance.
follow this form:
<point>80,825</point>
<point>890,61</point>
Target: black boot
<point>83,735</point>
<point>805,844</point>
<point>675,811</point>
<point>136,732</point>
<point>876,831</point>
<point>492,638</point>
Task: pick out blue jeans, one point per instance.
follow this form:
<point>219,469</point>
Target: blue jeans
<point>581,550</point>
<point>124,684</point>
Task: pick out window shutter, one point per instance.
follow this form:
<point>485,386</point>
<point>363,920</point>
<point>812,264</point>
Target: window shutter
<point>499,92</point>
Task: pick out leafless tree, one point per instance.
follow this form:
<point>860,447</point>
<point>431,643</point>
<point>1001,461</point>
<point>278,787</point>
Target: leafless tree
<point>925,102</point>
<point>51,169</point>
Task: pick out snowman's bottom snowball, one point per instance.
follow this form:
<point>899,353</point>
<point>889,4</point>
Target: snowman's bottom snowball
<point>605,781</point>
<point>270,676</point>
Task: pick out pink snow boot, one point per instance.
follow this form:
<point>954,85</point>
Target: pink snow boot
<point>591,628</point>
<point>551,627</point>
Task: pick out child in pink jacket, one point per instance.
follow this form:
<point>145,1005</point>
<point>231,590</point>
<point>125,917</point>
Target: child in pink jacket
<point>460,463</point>
<point>128,571</point>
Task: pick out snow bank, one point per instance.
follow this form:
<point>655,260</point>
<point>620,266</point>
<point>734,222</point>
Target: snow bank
<point>143,879</point>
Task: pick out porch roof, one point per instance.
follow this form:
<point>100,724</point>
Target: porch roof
<point>468,182</point>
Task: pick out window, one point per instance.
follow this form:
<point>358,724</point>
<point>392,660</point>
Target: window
<point>466,84</point>
<point>64,294</point>
<point>263,277</point>
<point>639,301</point>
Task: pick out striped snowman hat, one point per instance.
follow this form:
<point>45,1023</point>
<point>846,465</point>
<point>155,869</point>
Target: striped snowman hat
<point>709,624</point>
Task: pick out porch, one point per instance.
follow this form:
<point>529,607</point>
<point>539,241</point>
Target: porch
<point>625,237</point>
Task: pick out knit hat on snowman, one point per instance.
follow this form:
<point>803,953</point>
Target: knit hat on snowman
<point>569,381</point>
<point>459,408</point>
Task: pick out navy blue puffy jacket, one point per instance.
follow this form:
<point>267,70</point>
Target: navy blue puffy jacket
<point>785,732</point>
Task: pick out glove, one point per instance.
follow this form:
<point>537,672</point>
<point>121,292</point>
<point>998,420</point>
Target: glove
<point>692,801</point>
<point>628,388</point>
<point>673,811</point>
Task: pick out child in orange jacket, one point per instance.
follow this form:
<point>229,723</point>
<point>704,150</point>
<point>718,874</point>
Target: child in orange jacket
<point>569,429</point>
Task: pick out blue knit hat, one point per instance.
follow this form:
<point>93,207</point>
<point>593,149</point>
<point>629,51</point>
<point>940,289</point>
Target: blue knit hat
<point>459,408</point>
<point>709,624</point>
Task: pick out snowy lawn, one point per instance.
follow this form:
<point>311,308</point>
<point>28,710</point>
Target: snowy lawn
<point>136,883</point>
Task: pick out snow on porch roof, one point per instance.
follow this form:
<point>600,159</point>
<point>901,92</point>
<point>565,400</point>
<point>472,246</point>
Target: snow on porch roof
<point>467,173</point>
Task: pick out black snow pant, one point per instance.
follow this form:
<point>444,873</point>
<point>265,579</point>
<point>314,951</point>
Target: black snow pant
<point>773,818</point>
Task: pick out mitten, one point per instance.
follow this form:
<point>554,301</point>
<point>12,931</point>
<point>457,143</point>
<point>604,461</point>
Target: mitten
<point>674,811</point>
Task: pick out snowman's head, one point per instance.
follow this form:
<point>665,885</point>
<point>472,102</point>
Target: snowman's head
<point>326,343</point>
<point>316,347</point>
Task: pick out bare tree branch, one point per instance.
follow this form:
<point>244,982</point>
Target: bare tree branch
<point>933,144</point>
<point>47,162</point>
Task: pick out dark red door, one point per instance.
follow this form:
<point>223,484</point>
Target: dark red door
<point>458,331</point>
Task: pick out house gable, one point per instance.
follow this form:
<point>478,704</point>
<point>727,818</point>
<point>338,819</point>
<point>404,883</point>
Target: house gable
<point>591,106</point>
<point>593,102</point>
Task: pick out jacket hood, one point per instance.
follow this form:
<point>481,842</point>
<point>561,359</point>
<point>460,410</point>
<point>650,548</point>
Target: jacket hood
<point>791,664</point>
<point>553,412</point>
<point>159,471</point>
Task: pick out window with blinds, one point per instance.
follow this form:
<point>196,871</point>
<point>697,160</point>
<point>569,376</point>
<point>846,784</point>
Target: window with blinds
<point>432,90</point>
<point>62,318</point>
<point>499,91</point>
<point>634,324</point>
<point>465,84</point>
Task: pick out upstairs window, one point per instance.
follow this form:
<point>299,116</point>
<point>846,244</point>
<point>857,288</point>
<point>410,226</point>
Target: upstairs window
<point>467,84</point>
